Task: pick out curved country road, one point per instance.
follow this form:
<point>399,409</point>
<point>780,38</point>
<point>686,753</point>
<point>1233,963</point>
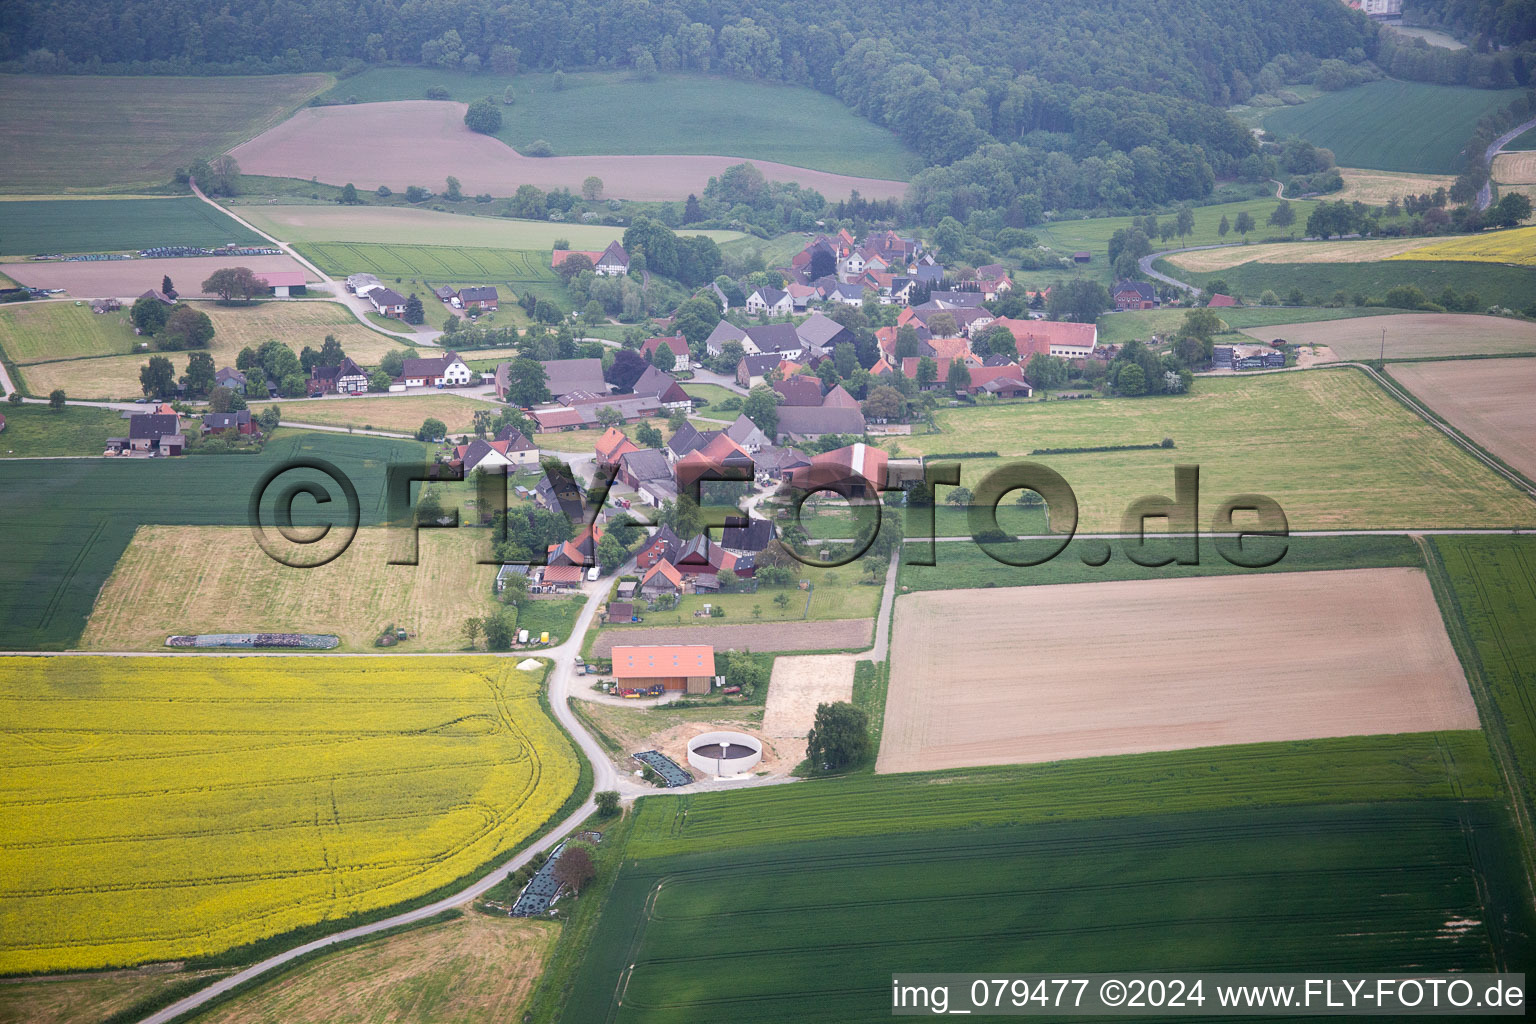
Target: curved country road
<point>1485,194</point>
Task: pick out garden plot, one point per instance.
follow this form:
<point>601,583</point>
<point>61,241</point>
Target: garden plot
<point>1129,667</point>
<point>798,685</point>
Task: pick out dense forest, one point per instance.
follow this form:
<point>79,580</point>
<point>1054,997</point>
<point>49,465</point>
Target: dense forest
<point>1488,23</point>
<point>1014,105</point>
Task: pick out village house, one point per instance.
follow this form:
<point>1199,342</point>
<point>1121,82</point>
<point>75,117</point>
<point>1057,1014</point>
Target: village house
<point>802,389</point>
<point>807,423</point>
<point>862,466</point>
<point>724,331</point>
<point>361,284</point>
<point>1051,337</point>
<point>387,301</point>
<point>663,388</point>
<point>613,446</point>
<point>676,342</point>
<point>240,422</point>
<point>658,547</point>
<point>563,376</point>
<point>481,297</point>
<point>769,302</point>
<point>1134,295</point>
<point>152,433</point>
<point>283,283</point>
<point>346,379</point>
<point>661,579</point>
<point>752,370</point>
<point>495,456</point>
<point>611,262</point>
<point>747,434</point>
<point>446,370</point>
<point>229,377</point>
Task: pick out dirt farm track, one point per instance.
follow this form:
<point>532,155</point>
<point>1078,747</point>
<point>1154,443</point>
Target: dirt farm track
<point>1133,666</point>
<point>128,278</point>
<point>816,635</point>
<point>429,142</point>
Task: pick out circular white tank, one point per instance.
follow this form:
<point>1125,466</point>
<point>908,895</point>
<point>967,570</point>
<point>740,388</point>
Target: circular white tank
<point>723,754</point>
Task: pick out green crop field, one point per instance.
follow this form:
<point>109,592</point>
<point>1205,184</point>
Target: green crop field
<point>1417,766</point>
<point>133,131</point>
<point>965,565</point>
<point>1491,602</point>
<point>824,924</point>
<point>432,262</point>
<point>1522,142</point>
<point>34,332</point>
<point>613,113</point>
<point>68,521</point>
<point>1392,126</point>
<point>1118,328</point>
<point>396,225</point>
<point>1494,283</point>
<point>1333,449</point>
<point>29,227</point>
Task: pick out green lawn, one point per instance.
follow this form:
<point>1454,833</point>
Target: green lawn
<point>68,521</point>
<point>105,131</point>
<point>840,593</point>
<point>30,227</point>
<point>714,394</point>
<point>1392,126</point>
<point>823,924</point>
<point>1118,328</point>
<point>33,332</point>
<point>1333,449</point>
<point>614,113</point>
<point>472,224</point>
<point>33,431</point>
<point>1494,283</point>
<point>1524,141</point>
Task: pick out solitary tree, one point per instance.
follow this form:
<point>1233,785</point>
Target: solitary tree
<point>157,377</point>
<point>592,187</point>
<point>198,380</point>
<point>186,328</point>
<point>149,314</point>
<point>607,802</point>
<point>959,376</point>
<point>575,868</point>
<point>1223,226</point>
<point>498,631</point>
<point>452,190</point>
<point>415,313</point>
<point>782,600</point>
<point>56,399</point>
<point>527,383</point>
<point>1283,216</point>
<point>483,116</point>
<point>234,284</point>
<point>349,195</point>
<point>166,288</point>
<point>839,738</point>
<point>472,630</point>
<point>1244,223</point>
<point>431,430</point>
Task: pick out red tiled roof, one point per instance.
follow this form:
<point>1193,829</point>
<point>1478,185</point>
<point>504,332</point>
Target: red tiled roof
<point>563,573</point>
<point>663,661</point>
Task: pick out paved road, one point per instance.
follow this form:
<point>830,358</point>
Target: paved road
<point>359,306</point>
<point>1485,194</point>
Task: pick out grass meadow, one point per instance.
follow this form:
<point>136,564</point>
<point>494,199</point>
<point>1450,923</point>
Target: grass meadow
<point>340,787</point>
<point>137,130</point>
<point>1390,125</point>
<point>824,922</point>
<point>69,521</point>
<point>1333,449</point>
<point>36,431</point>
<point>1494,283</point>
<point>603,113</point>
<point>35,332</point>
<point>29,227</point>
<point>1118,328</point>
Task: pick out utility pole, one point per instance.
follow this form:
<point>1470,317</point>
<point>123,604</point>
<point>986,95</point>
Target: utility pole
<point>1382,359</point>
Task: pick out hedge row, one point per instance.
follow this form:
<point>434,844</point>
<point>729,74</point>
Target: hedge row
<point>1167,443</point>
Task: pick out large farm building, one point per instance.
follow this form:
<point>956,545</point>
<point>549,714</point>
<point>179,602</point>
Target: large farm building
<point>689,667</point>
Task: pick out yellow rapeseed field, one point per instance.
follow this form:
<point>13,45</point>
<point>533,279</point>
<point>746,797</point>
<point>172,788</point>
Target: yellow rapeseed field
<point>1516,246</point>
<point>160,808</point>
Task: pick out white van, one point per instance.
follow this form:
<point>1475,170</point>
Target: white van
<point>592,574</point>
<point>522,636</point>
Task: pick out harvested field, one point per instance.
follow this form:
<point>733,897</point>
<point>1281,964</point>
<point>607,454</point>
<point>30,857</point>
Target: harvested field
<point>343,143</point>
<point>1190,663</point>
<point>404,413</point>
<point>74,998</point>
<point>1362,251</point>
<point>474,969</point>
<point>1378,187</point>
<point>1515,168</point>
<point>1409,335</point>
<point>798,685</point>
<point>403,225</point>
<point>126,279</point>
<point>827,635</point>
<point>1489,400</point>
<point>217,579</point>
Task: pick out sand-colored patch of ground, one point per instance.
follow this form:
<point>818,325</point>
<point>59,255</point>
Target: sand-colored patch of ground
<point>384,411</point>
<point>472,970</point>
<point>217,579</point>
<point>1489,400</point>
<point>798,685</point>
<point>1132,666</point>
<point>826,635</point>
<point>1378,187</point>
<point>126,279</point>
<point>1409,335</point>
<point>1517,168</point>
<point>659,728</point>
<point>1360,251</point>
<point>397,143</point>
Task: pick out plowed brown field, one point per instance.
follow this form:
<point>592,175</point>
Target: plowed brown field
<point>1489,400</point>
<point>1089,669</point>
<point>420,142</point>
